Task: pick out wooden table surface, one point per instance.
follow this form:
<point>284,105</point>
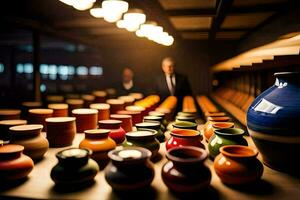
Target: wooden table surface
<point>274,185</point>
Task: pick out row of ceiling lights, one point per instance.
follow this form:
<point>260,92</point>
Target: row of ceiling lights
<point>134,20</point>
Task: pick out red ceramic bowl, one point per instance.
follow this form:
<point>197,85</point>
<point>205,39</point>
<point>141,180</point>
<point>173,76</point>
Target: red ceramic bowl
<point>184,137</point>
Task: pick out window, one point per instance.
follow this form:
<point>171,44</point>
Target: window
<point>1,68</point>
<point>63,70</point>
<point>96,70</point>
<point>82,70</point>
<point>28,68</point>
<point>20,68</point>
<point>71,70</point>
<point>44,69</point>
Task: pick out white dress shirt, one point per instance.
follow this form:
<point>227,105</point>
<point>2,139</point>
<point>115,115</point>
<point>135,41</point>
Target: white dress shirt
<point>169,83</point>
<point>128,85</point>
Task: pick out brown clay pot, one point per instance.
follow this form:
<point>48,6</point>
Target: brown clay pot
<point>126,121</point>
<point>74,104</point>
<point>14,165</point>
<point>116,133</point>
<point>59,109</point>
<point>100,96</point>
<point>211,120</point>
<point>85,119</point>
<point>6,124</point>
<point>140,109</point>
<point>103,110</point>
<point>115,105</point>
<point>237,165</point>
<point>29,136</point>
<point>7,114</point>
<point>38,116</point>
<point>53,99</point>
<point>27,105</point>
<point>127,99</point>
<point>98,141</point>
<point>136,115</point>
<point>88,100</point>
<point>209,131</point>
<point>137,95</point>
<point>60,131</point>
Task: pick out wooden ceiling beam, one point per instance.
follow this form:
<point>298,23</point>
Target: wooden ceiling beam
<point>275,7</point>
<point>210,12</point>
<point>222,10</point>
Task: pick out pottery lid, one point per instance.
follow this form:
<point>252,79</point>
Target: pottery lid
<point>120,116</point>
<point>222,125</point>
<point>74,101</point>
<point>129,155</point>
<point>77,156</point>
<point>99,93</point>
<point>41,111</point>
<point>135,108</point>
<point>142,134</point>
<point>186,155</point>
<point>127,99</point>
<point>115,101</point>
<point>58,106</point>
<point>84,111</point>
<point>153,118</point>
<point>185,133</point>
<point>218,119</point>
<point>13,122</point>
<point>32,104</point>
<point>9,112</point>
<point>10,151</point>
<point>100,106</point>
<point>110,122</point>
<point>60,119</point>
<point>238,151</point>
<point>96,133</point>
<point>155,113</point>
<point>184,124</point>
<point>88,97</point>
<point>230,132</point>
<point>150,125</point>
<point>26,129</point>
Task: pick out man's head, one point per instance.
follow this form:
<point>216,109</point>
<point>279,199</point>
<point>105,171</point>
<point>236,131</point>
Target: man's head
<point>127,74</point>
<point>168,65</point>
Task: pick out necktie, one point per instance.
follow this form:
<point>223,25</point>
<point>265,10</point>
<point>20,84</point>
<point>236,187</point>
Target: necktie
<point>172,86</point>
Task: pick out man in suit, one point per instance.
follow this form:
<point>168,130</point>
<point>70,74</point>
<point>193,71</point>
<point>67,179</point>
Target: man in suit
<point>128,85</point>
<point>171,82</point>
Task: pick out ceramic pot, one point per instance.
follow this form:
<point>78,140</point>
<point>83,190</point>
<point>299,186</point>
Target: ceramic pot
<point>167,111</point>
<point>6,124</point>
<point>127,99</point>
<point>14,165</point>
<point>117,133</point>
<point>29,136</point>
<point>209,131</point>
<point>186,118</point>
<point>185,125</point>
<point>144,138</point>
<point>125,119</point>
<point>7,114</point>
<point>136,95</point>
<point>215,114</point>
<point>238,165</point>
<point>53,99</point>
<point>159,114</point>
<point>185,171</point>
<point>159,119</point>
<point>273,122</point>
<point>135,115</point>
<point>187,114</point>
<point>59,109</point>
<point>74,167</point>
<point>74,104</point>
<point>88,100</point>
<point>86,119</point>
<point>184,137</point>
<point>129,169</point>
<point>100,96</point>
<point>140,109</point>
<point>98,141</point>
<point>154,126</point>
<point>115,105</point>
<point>211,120</point>
<point>38,116</point>
<point>103,110</point>
<point>224,137</point>
<point>60,131</point>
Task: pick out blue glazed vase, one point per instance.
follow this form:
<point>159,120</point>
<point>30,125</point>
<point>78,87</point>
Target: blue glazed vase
<point>273,122</point>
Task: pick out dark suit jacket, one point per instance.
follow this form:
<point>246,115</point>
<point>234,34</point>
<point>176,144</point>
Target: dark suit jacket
<point>182,88</point>
<point>123,91</point>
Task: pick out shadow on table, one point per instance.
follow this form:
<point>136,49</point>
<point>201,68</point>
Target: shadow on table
<point>12,184</point>
<point>210,194</point>
<point>146,193</point>
<point>157,158</point>
<point>58,188</point>
<point>261,187</point>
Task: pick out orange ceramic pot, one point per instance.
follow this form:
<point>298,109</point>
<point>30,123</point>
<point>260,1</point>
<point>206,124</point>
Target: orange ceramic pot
<point>115,105</point>
<point>126,121</point>
<point>136,115</point>
<point>7,114</point>
<point>100,96</point>
<point>127,99</point>
<point>59,109</point>
<point>88,100</point>
<point>215,114</point>
<point>211,120</point>
<point>29,136</point>
<point>103,110</point>
<point>26,106</point>
<point>14,165</point>
<point>60,131</point>
<point>98,141</point>
<point>38,116</point>
<point>74,104</point>
<point>85,119</point>
<point>140,109</point>
<point>237,165</point>
<point>6,124</point>
<point>209,131</point>
<point>116,133</point>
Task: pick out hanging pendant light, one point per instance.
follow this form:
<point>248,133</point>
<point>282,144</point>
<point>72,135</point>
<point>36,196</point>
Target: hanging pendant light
<point>145,29</point>
<point>68,2</point>
<point>113,9</point>
<point>83,4</point>
<point>97,12</point>
<point>133,19</point>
